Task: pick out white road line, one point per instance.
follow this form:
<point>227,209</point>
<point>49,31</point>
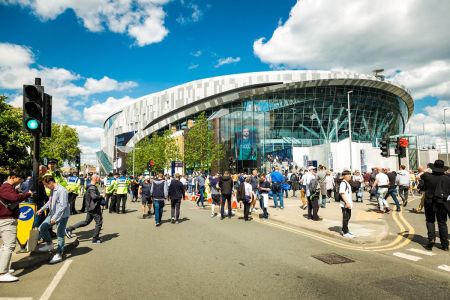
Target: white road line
<point>444,267</point>
<point>429,253</point>
<point>48,292</point>
<point>406,256</point>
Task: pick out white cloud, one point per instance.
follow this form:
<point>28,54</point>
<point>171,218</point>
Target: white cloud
<point>18,69</point>
<point>98,112</point>
<point>195,14</point>
<point>226,61</point>
<point>360,35</point>
<point>142,20</point>
<point>197,53</point>
<point>89,142</point>
<point>193,66</point>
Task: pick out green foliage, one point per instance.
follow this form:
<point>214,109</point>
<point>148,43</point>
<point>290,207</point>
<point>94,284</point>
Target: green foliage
<point>201,149</point>
<point>63,145</point>
<point>13,153</point>
<point>162,149</point>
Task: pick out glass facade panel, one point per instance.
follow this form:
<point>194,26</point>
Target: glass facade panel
<point>274,122</point>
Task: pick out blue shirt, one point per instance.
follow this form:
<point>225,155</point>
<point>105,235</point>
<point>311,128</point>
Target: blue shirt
<point>276,177</point>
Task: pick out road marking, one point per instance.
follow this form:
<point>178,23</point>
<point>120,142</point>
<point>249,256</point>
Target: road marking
<point>407,256</point>
<point>444,267</point>
<point>422,252</point>
<point>48,292</point>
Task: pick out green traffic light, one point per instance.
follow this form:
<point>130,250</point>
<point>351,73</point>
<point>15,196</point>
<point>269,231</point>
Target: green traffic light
<point>32,124</point>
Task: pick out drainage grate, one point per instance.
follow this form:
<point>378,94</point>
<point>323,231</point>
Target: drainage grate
<point>333,258</point>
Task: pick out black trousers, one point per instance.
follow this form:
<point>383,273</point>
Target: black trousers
<point>121,198</point>
<point>94,215</point>
<point>246,210</point>
<point>346,215</point>
<point>226,198</point>
<point>313,208</point>
<point>72,197</point>
<point>437,212</point>
<point>107,197</point>
<point>113,204</point>
<point>175,208</point>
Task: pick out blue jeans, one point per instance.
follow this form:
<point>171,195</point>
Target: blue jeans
<point>201,199</point>
<point>359,194</point>
<point>324,201</point>
<point>393,193</point>
<point>278,195</point>
<point>158,210</point>
<point>60,232</point>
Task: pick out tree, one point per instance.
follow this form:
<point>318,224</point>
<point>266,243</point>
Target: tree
<point>201,149</point>
<point>62,145</point>
<point>14,142</point>
<point>162,149</point>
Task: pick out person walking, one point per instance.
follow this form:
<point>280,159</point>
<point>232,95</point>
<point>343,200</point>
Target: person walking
<point>435,207</point>
<point>176,193</point>
<point>294,183</point>
<point>145,193</point>
<point>200,186</point>
<point>254,181</point>
<point>358,181</point>
<point>113,189</point>
<point>226,190</point>
<point>277,179</point>
<point>403,182</point>
<point>159,192</point>
<point>73,187</point>
<point>247,198</point>
<point>108,189</point>
<point>215,194</point>
<point>123,185</point>
<point>321,175</point>
<point>9,213</point>
<point>329,184</point>
<point>346,202</point>
<point>58,214</point>
<point>93,201</point>
<point>392,189</point>
<point>382,185</point>
<point>264,189</point>
<point>312,194</point>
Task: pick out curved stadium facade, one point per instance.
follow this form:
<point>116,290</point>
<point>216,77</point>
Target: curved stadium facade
<point>256,115</point>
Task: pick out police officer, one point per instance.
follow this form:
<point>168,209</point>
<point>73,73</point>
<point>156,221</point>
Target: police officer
<point>113,189</point>
<point>123,185</point>
<point>52,171</point>
<point>109,188</point>
<point>73,187</point>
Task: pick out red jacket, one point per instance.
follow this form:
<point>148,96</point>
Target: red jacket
<point>9,195</point>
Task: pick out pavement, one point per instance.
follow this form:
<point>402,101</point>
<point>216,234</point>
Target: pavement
<point>209,258</point>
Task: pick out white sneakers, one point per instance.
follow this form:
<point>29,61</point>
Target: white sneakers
<point>45,247</point>
<point>7,277</point>
<point>56,259</point>
<point>349,235</point>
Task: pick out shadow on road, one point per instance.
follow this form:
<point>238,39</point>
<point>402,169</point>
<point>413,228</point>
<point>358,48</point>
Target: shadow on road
<point>337,229</point>
<point>78,251</point>
<point>417,238</point>
<point>84,236</point>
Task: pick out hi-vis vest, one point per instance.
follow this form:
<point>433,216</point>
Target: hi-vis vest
<point>73,185</point>
<point>122,185</point>
<point>109,185</point>
<point>59,180</point>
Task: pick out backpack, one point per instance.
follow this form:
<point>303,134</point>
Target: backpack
<point>355,185</point>
<point>294,177</point>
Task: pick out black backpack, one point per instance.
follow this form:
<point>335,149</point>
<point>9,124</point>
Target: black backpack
<point>355,185</point>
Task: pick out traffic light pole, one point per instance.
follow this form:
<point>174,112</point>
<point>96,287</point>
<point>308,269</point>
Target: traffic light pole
<point>36,154</point>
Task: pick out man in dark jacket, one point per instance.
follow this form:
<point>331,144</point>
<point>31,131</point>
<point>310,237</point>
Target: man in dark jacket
<point>226,189</point>
<point>93,201</point>
<point>9,213</point>
<point>159,192</point>
<point>435,207</point>
<point>176,193</point>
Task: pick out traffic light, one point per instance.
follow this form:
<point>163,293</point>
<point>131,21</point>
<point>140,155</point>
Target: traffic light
<point>33,100</point>
<point>47,116</point>
<point>400,149</point>
<point>384,147</point>
<point>77,161</point>
<point>150,165</point>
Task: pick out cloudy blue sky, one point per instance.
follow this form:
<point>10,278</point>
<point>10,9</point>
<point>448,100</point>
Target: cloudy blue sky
<point>95,55</point>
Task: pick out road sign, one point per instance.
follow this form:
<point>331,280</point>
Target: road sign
<point>25,222</point>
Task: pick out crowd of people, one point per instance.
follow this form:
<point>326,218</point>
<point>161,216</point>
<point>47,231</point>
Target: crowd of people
<point>315,187</point>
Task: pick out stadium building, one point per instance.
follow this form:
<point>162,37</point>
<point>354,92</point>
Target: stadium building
<point>298,117</point>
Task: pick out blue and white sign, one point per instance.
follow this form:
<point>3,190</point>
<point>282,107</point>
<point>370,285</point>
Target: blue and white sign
<point>26,213</point>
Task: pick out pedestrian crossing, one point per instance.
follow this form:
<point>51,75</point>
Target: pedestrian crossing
<point>415,255</point>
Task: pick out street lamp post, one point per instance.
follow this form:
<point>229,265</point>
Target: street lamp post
<point>349,129</point>
<point>445,128</point>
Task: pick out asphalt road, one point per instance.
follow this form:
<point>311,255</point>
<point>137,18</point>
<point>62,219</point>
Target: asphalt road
<point>209,258</point>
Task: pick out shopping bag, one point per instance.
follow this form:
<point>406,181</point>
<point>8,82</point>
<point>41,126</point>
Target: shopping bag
<point>33,239</point>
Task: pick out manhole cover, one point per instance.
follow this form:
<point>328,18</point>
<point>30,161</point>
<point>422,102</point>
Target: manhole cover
<point>333,258</point>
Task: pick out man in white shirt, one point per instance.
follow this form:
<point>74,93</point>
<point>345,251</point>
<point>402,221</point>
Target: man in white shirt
<point>346,203</point>
<point>382,183</point>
